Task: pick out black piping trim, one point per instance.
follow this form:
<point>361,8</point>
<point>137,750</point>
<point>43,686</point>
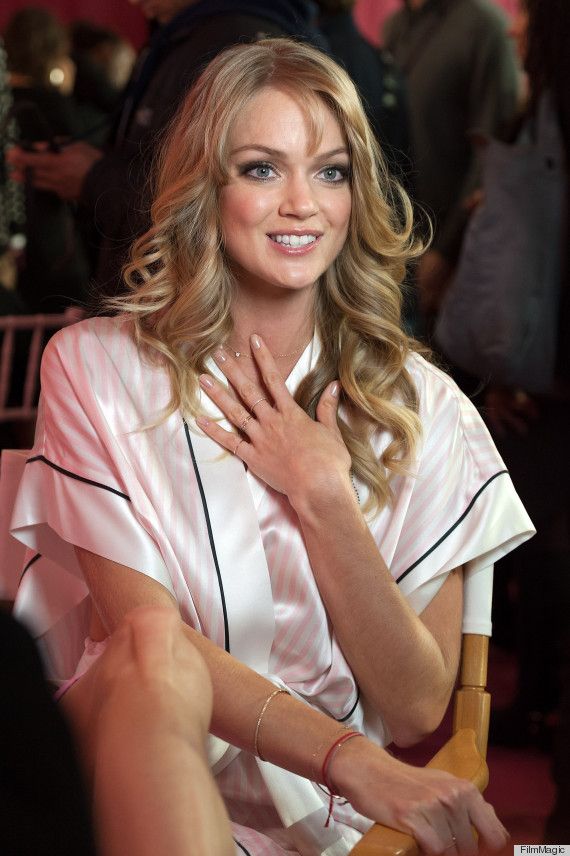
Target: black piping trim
<point>241,847</point>
<point>455,525</point>
<point>211,537</point>
<point>32,561</point>
<point>71,475</point>
<point>353,708</point>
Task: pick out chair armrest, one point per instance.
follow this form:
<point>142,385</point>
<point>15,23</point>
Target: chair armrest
<point>459,756</point>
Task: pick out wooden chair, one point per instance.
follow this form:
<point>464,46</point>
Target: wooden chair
<point>465,752</point>
<point>39,328</point>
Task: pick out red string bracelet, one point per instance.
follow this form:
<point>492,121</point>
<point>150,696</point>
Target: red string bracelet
<point>340,741</point>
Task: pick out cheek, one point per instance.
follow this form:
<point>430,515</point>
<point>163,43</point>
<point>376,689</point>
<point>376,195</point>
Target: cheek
<point>340,212</point>
<point>239,208</point>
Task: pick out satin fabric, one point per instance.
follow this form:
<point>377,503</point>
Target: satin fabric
<point>165,501</point>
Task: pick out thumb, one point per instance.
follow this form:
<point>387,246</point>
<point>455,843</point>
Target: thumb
<point>328,405</point>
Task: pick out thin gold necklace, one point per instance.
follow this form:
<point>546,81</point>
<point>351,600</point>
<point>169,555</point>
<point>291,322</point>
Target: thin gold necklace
<point>240,354</point>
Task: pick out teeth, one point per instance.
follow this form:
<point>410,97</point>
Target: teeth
<point>294,240</point>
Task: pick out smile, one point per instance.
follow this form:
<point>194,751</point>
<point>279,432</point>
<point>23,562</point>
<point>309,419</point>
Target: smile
<point>294,240</point>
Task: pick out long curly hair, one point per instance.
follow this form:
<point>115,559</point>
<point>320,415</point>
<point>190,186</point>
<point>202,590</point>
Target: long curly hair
<point>180,284</point>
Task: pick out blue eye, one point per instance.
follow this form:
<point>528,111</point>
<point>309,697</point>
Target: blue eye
<point>260,171</point>
<point>334,174</point>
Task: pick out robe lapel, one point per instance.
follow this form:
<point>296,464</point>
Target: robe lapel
<point>244,575</point>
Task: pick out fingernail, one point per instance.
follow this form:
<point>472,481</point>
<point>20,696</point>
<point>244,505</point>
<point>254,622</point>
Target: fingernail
<point>206,381</point>
<point>202,422</point>
<point>335,389</point>
<point>256,341</point>
<point>219,356</point>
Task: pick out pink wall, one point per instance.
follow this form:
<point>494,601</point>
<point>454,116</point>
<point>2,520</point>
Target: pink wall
<point>117,14</point>
<point>371,14</point>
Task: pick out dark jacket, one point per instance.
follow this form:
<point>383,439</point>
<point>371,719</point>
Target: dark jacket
<point>56,268</point>
<point>381,87</point>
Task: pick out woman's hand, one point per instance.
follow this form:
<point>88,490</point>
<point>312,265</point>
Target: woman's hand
<point>280,444</point>
<point>436,808</point>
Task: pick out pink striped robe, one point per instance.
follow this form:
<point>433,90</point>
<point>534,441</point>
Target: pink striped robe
<point>166,503</point>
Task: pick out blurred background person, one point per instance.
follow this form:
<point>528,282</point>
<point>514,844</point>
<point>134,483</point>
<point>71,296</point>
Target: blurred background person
<point>379,82</point>
<point>104,62</point>
<point>11,202</point>
<point>55,270</point>
<point>152,789</point>
<point>526,428</point>
<point>111,185</point>
<point>383,91</point>
<point>462,76</point>
<point>12,224</point>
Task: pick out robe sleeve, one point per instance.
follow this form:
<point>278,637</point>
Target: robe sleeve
<point>76,490</point>
<point>459,506</point>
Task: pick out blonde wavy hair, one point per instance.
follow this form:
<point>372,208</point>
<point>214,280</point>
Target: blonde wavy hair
<point>180,283</point>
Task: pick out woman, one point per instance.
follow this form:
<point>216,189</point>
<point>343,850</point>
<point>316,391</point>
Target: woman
<point>274,262</point>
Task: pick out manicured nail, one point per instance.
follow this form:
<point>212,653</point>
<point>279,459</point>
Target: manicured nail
<point>335,389</point>
<point>256,341</point>
<point>220,356</point>
<point>206,381</point>
<point>202,422</point>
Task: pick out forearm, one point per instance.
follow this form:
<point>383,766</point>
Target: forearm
<point>396,660</point>
<point>291,731</point>
<point>154,792</point>
<point>292,734</point>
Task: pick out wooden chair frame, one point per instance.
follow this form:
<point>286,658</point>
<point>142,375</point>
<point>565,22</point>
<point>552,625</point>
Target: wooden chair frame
<point>464,754</point>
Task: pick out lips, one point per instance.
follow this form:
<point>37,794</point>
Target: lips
<point>294,243</point>
<point>294,240</point>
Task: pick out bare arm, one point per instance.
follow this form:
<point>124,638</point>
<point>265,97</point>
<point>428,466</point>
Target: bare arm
<point>153,789</point>
<point>411,673</point>
<point>428,804</point>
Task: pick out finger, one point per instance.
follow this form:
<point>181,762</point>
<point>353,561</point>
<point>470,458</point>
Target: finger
<point>443,826</point>
<point>426,836</point>
<point>460,832</point>
<point>232,409</point>
<point>484,819</point>
<point>229,440</point>
<point>270,374</point>
<point>328,406</point>
<point>249,393</point>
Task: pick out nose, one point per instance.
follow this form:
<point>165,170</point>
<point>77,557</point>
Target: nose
<point>299,199</point>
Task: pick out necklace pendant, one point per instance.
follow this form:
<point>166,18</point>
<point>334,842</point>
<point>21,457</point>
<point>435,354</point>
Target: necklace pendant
<point>237,354</point>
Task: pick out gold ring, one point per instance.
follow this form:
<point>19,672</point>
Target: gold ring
<point>238,444</point>
<point>247,419</point>
<point>255,403</point>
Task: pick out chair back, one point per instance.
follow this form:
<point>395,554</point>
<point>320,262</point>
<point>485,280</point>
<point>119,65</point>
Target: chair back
<point>13,405</point>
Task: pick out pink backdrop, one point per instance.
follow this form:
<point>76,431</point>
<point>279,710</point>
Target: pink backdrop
<point>126,19</point>
<point>117,14</point>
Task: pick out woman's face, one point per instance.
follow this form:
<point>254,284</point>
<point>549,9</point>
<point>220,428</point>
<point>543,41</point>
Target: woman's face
<point>286,209</point>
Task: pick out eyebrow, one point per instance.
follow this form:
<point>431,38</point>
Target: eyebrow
<point>277,153</point>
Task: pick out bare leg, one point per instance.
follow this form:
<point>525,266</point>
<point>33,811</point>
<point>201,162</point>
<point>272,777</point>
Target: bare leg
<point>141,715</point>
